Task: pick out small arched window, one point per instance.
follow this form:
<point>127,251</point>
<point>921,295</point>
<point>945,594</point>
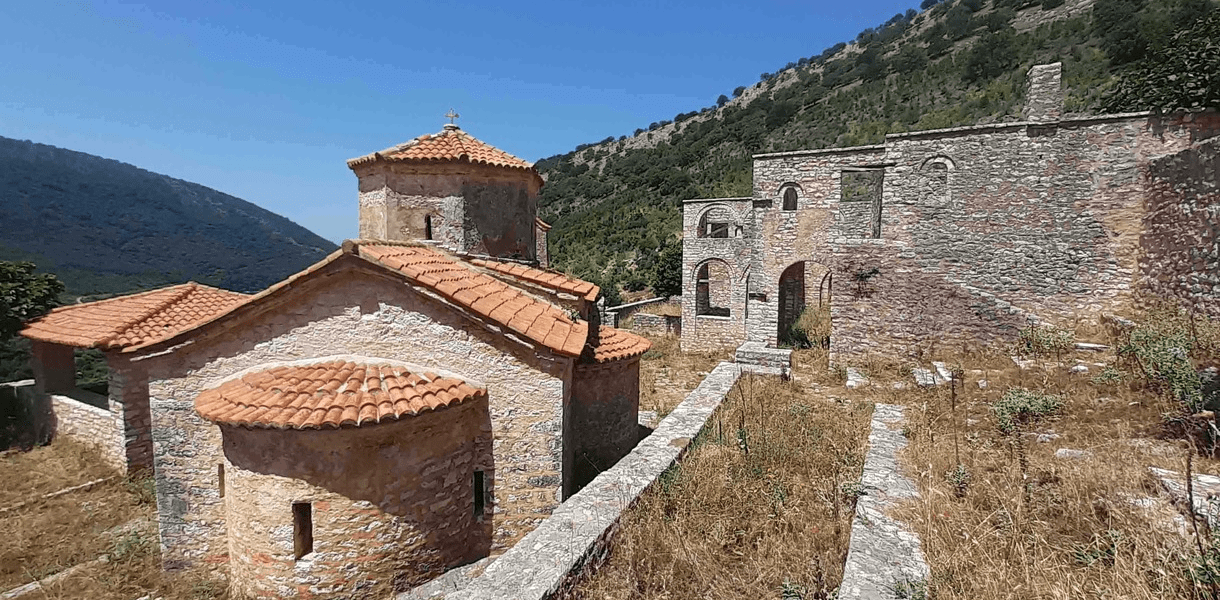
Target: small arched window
<point>715,223</point>
<point>790,198</point>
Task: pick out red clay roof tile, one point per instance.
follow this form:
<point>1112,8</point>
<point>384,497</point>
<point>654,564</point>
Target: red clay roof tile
<point>132,320</point>
<point>331,394</point>
<point>616,344</point>
<point>483,294</point>
<point>554,280</point>
<point>451,144</point>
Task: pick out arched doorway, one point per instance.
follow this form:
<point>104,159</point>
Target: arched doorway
<point>797,298</point>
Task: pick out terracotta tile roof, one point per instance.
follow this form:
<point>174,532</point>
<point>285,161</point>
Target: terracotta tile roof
<point>617,344</point>
<point>132,320</point>
<point>330,394</point>
<point>549,279</point>
<point>451,144</point>
<point>534,319</point>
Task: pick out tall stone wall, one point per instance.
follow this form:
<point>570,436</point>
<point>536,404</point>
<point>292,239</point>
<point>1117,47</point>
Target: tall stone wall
<point>604,416</point>
<point>981,228</point>
<point>128,389</point>
<point>731,257</point>
<point>1180,241</point>
<point>398,496</point>
<point>350,312</point>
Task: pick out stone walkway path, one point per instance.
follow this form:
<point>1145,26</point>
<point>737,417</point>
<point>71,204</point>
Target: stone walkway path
<point>884,554</point>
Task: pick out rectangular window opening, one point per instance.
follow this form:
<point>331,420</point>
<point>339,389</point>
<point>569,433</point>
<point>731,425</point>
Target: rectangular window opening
<point>302,528</point>
<point>862,186</point>
<point>220,478</point>
<point>480,494</point>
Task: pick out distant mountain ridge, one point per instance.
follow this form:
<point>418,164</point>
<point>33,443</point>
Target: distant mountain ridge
<point>105,226</point>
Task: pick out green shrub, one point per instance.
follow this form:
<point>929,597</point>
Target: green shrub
<point>1019,406</point>
<point>1159,351</point>
<point>1044,341</point>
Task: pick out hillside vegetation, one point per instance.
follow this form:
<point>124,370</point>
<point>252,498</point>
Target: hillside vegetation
<point>616,204</point>
<point>106,227</point>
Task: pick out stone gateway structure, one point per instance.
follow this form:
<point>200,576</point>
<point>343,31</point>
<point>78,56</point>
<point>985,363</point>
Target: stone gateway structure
<point>402,407</point>
<point>961,236</point>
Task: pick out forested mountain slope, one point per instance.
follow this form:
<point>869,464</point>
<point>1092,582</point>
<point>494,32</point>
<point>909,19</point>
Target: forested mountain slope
<point>104,226</point>
<point>616,203</point>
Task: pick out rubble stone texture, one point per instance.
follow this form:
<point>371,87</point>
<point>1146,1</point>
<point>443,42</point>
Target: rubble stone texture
<point>982,230</point>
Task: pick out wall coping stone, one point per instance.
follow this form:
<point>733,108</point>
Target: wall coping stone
<point>883,551</point>
<point>101,412</point>
<point>845,150</point>
<point>575,537</point>
<point>637,303</point>
<point>759,354</point>
<point>708,200</point>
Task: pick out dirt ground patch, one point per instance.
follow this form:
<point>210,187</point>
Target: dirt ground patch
<point>47,469</point>
<point>667,374</point>
<point>759,507</point>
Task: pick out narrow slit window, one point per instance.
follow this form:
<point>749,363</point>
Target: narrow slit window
<point>220,478</point>
<point>480,493</point>
<point>302,528</point>
<point>427,227</point>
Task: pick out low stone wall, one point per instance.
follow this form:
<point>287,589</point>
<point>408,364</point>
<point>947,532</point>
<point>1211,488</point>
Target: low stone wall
<point>884,554</point>
<point>613,315</point>
<point>90,425</point>
<point>757,353</point>
<point>574,540</point>
<point>657,324</point>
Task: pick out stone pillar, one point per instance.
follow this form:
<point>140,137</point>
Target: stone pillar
<point>1044,93</point>
<point>54,367</point>
<point>129,403</point>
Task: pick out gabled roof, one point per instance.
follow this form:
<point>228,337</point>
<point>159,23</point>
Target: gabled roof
<point>553,280</point>
<point>450,145</point>
<point>133,320</point>
<point>535,319</point>
<point>330,394</point>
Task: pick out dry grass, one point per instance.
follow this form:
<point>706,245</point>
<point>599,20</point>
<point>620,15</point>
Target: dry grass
<point>116,519</point>
<point>667,374</point>
<point>1026,524</point>
<point>47,469</point>
<point>756,509</point>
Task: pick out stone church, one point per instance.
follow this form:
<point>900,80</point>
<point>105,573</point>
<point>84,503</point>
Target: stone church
<point>961,236</point>
<point>416,401</point>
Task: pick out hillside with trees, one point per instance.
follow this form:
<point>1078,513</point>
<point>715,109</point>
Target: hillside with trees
<point>615,205</point>
<point>105,227</point>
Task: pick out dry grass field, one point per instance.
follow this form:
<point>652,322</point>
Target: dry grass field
<point>667,374</point>
<point>759,507</point>
<point>115,519</point>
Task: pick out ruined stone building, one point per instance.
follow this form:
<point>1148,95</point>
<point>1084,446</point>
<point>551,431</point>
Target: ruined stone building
<point>409,404</point>
<point>961,235</point>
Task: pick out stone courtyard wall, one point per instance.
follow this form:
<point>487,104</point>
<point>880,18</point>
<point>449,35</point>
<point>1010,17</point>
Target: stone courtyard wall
<point>347,311</point>
<point>78,416</point>
<point>604,416</point>
<point>1180,242</point>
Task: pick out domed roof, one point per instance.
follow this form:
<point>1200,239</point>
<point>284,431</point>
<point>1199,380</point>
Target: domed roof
<point>330,394</point>
<point>451,144</point>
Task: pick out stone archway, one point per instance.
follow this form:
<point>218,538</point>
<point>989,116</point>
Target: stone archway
<point>803,284</point>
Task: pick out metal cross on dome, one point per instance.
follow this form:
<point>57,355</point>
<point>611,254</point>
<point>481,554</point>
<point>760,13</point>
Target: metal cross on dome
<point>451,116</point>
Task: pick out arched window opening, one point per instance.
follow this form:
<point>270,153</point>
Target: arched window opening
<point>713,289</point>
<point>802,324</point>
<point>715,223</point>
<point>790,199</point>
<point>427,227</point>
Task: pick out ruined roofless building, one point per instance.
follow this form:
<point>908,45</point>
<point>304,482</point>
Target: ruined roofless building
<point>961,236</point>
<point>398,409</point>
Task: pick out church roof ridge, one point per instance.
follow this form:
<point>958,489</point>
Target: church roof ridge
<point>451,144</point>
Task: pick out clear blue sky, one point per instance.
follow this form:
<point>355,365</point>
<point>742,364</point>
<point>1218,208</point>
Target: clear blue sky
<point>266,103</point>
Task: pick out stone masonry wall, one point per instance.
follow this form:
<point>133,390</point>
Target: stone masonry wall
<point>128,401</point>
<point>474,208</point>
<point>1180,242</point>
<point>390,503</point>
<point>349,312</point>
<point>605,414</point>
<point>708,332</point>
<point>90,425</point>
<point>981,228</point>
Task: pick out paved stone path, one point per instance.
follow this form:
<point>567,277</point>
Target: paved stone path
<point>883,552</point>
